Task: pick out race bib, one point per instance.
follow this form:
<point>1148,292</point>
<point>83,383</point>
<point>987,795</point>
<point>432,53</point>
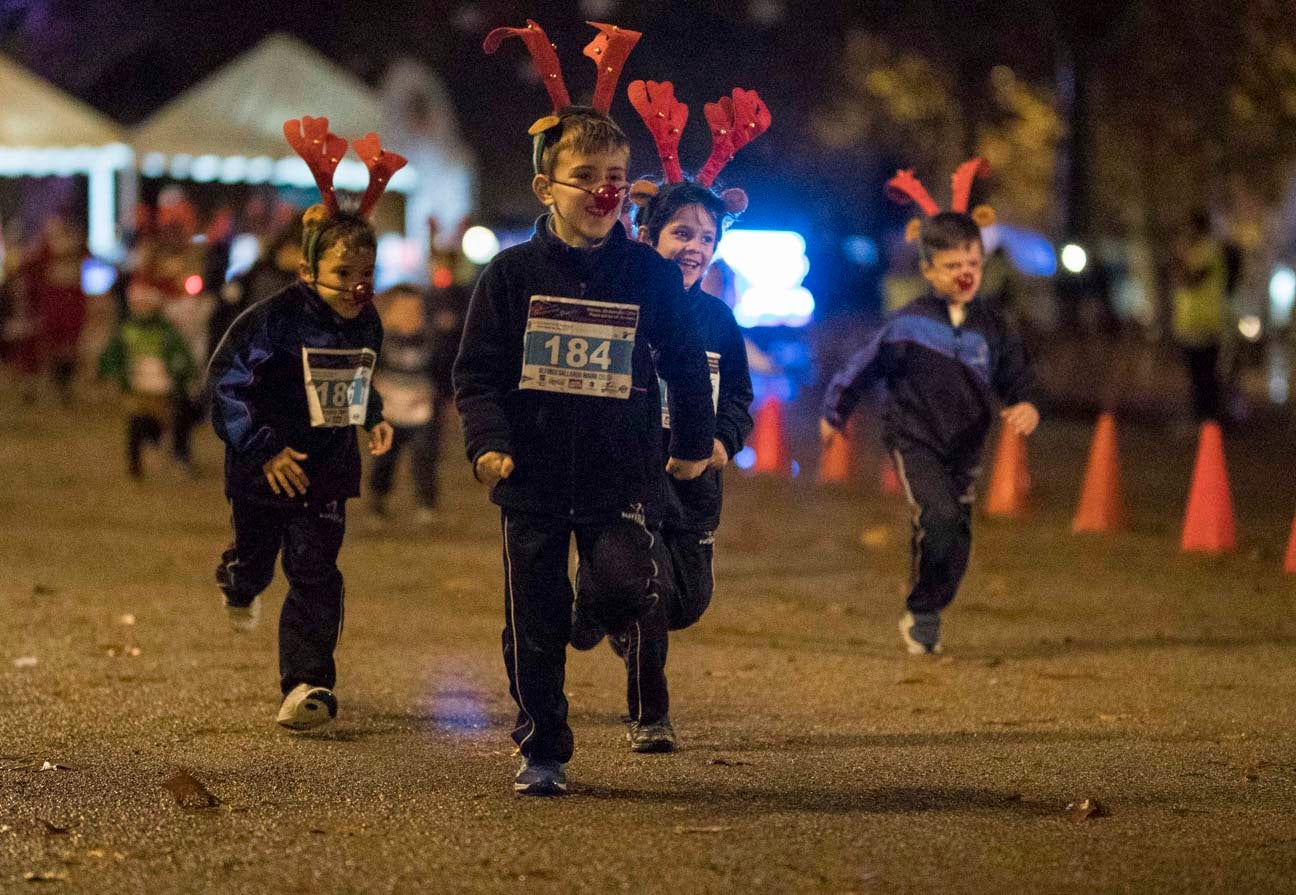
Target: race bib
<point>713,367</point>
<point>407,400</point>
<point>579,347</point>
<point>337,384</point>
<point>149,376</point>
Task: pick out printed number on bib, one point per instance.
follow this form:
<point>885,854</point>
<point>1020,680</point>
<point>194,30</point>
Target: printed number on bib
<point>578,346</point>
<point>713,367</point>
<point>337,384</point>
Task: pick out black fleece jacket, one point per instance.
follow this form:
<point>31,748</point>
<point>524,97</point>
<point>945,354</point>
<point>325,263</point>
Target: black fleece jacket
<point>582,456</point>
<point>257,384</point>
<point>699,500</point>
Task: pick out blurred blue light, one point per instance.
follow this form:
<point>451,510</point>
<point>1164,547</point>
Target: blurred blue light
<point>796,469</point>
<point>243,252</point>
<point>746,458</point>
<point>97,277</point>
<point>863,250</point>
<point>1030,252</point>
<point>768,266</point>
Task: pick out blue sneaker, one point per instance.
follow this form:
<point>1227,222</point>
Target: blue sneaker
<point>540,778</point>
<point>921,633</point>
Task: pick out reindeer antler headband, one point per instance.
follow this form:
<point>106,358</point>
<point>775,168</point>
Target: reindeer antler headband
<point>609,51</point>
<point>905,188</point>
<point>322,151</point>
<point>734,120</point>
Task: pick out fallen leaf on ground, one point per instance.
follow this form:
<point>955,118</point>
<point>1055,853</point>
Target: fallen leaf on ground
<point>682,829</point>
<point>51,766</point>
<point>43,590</point>
<point>127,619</point>
<point>52,829</point>
<point>1086,809</point>
<point>728,762</point>
<point>26,662</point>
<point>189,792</point>
<point>45,876</point>
<point>911,680</point>
<point>1251,774</point>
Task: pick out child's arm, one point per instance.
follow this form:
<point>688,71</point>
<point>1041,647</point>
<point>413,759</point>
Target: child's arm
<point>847,388</point>
<point>733,415</point>
<point>1014,381</point>
<point>681,362</point>
<point>233,379</point>
<point>480,379</point>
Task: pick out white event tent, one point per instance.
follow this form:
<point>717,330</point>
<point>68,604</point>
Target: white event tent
<point>229,127</point>
<point>45,132</point>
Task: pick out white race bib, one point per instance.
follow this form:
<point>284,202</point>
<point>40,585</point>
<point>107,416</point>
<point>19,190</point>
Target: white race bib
<point>713,367</point>
<point>337,384</point>
<point>579,346</point>
<point>407,400</point>
<point>149,376</point>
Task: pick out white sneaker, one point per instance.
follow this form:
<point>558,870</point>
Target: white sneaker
<point>307,707</point>
<point>916,647</point>
<point>242,618</point>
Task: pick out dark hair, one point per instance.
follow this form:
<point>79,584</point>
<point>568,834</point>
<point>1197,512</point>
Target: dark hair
<point>321,233</point>
<point>582,130</point>
<point>653,217</point>
<point>945,231</point>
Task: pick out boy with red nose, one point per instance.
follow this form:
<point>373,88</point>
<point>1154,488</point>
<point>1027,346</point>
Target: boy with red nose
<point>556,386</point>
<point>945,360</point>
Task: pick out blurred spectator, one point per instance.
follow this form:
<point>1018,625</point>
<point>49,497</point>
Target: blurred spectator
<point>1200,311</point>
<point>274,271</point>
<point>52,277</point>
<point>148,358</point>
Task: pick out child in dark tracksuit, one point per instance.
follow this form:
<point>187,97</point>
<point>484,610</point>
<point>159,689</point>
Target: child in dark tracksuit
<point>289,383</point>
<point>684,222</point>
<point>561,411</point>
<point>946,360</point>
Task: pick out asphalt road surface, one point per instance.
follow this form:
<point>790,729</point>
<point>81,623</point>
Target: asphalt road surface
<point>817,757</point>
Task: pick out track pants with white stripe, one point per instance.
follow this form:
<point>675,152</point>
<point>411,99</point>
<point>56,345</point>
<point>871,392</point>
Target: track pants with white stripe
<point>617,561</point>
<point>940,492</point>
<point>311,619</point>
<point>690,583</point>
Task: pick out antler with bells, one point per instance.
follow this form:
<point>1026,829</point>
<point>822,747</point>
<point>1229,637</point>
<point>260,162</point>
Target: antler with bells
<point>665,117</point>
<point>543,54</point>
<point>381,163</point>
<point>735,121</point>
<point>321,150</point>
<point>609,50</point>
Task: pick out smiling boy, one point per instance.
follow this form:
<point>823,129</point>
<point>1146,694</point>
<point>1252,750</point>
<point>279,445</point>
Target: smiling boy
<point>945,360</point>
<point>557,389</point>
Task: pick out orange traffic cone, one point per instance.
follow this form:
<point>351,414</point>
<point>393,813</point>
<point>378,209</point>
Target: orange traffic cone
<point>768,440</point>
<point>1100,498</point>
<point>1010,480</point>
<point>890,480</point>
<point>1208,523</point>
<point>835,462</point>
<point>1289,565</point>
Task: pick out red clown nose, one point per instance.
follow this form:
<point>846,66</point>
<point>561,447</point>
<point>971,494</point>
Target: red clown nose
<point>965,281</point>
<point>607,198</point>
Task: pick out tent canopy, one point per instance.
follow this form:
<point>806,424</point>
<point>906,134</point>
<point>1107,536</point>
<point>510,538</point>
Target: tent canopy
<point>230,125</point>
<point>36,114</point>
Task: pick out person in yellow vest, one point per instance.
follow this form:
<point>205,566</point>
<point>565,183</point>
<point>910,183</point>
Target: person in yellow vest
<point>1201,311</point>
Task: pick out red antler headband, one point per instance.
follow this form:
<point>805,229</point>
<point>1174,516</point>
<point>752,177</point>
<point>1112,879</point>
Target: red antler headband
<point>734,120</point>
<point>905,188</point>
<point>609,51</point>
<point>322,151</point>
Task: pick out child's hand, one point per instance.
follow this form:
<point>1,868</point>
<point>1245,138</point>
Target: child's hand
<point>380,439</point>
<point>284,475</point>
<point>686,470</point>
<point>827,432</point>
<point>493,466</point>
<point>719,456</point>
<point>1022,417</point>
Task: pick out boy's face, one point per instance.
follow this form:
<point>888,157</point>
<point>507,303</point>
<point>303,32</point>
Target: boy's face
<point>689,239</point>
<point>344,277</point>
<point>579,219</point>
<point>955,274</point>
